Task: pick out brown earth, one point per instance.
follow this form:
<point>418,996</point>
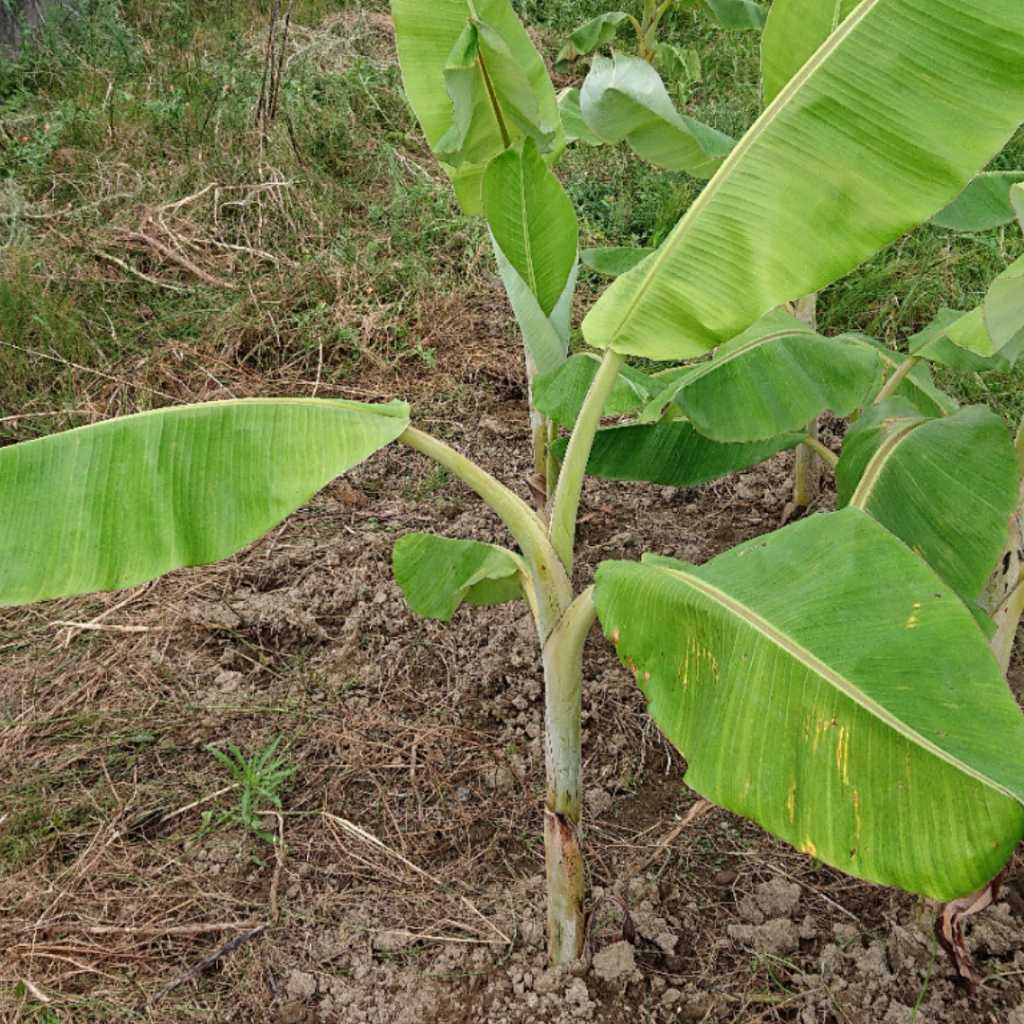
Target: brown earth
<point>408,888</point>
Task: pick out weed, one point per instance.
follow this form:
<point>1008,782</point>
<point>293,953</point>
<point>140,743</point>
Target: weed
<point>259,778</point>
<point>434,481</point>
<point>933,951</point>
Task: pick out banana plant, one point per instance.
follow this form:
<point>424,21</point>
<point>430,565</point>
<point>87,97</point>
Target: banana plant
<point>683,64</point>
<point>480,92</point>
<point>624,99</point>
<point>834,679</point>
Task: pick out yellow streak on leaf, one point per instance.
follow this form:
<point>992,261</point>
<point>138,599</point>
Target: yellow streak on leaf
<point>791,802</point>
<point>843,754</point>
<point>821,726</point>
<point>699,658</point>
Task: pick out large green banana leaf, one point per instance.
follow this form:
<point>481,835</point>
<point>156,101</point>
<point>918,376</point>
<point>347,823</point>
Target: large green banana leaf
<point>672,453</point>
<point>124,501</point>
<point>825,682</point>
<point>532,221</point>
<point>946,487</point>
<point>882,127</point>
<point>624,99</point>
<point>792,33</point>
<point>439,574</point>
<point>427,32</point>
<point>773,378</point>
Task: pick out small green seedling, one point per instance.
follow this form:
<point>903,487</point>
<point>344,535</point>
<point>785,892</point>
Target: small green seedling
<point>259,778</point>
<point>834,680</point>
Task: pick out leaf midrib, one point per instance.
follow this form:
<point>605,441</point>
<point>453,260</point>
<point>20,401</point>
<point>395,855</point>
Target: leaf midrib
<point>393,409</point>
<point>744,349</point>
<point>847,687</point>
<point>524,223</point>
<point>876,464</point>
<point>741,147</point>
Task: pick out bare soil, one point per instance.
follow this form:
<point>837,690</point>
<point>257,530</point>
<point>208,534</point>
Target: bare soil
<point>409,884</point>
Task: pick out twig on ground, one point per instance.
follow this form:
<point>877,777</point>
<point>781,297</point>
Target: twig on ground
<point>148,931</point>
<point>43,415</point>
<point>699,808</point>
<point>94,623</point>
<point>175,256</point>
<point>37,994</point>
<point>86,968</point>
<point>102,627</point>
<point>129,269</point>
<point>207,962</point>
<point>185,200</point>
<point>261,254</point>
<point>195,803</point>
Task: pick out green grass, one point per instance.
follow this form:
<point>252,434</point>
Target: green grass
<point>138,104</point>
<point>35,823</point>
